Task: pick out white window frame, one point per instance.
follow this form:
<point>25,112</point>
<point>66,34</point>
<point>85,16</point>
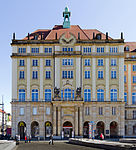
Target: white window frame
<point>34,110</point>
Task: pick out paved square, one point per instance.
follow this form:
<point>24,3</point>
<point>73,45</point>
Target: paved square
<point>57,146</point>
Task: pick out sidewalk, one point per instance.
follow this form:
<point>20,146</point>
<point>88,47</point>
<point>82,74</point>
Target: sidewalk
<point>102,144</point>
<point>7,145</point>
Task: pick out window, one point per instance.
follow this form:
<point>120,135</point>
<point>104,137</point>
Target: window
<point>21,111</point>
<point>35,75</point>
<point>125,97</point>
<point>21,63</point>
<point>67,74</point>
<point>21,95</point>
<point>87,74</point>
<point>21,75</point>
<point>113,94</point>
<point>35,95</point>
<point>67,94</point>
<point>73,94</point>
<point>34,110</point>
<point>113,74</point>
<point>134,114</point>
<point>48,74</point>
<point>124,79</point>
<point>100,110</point>
<point>113,62</point>
<point>48,62</point>
<point>87,62</point>
<point>113,49</point>
<point>133,98</point>
<point>134,67</point>
<point>35,62</point>
<point>87,95</point>
<point>125,68</point>
<point>48,50</point>
<point>100,49</point>
<point>134,79</point>
<point>47,95</point>
<point>35,50</point>
<point>100,74</point>
<point>67,62</point>
<point>113,110</point>
<point>100,95</point>
<point>87,110</point>
<point>67,49</point>
<point>21,50</point>
<point>100,62</point>
<point>134,129</point>
<point>87,49</point>
<point>62,94</point>
<point>47,110</point>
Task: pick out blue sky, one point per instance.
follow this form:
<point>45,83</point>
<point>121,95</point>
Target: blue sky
<point>23,16</point>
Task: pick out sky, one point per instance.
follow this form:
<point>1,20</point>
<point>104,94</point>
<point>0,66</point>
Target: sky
<point>23,16</point>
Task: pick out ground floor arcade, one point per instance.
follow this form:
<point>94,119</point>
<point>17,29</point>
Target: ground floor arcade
<point>67,120</point>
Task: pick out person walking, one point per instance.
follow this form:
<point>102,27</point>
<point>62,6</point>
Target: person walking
<point>51,139</point>
<point>29,138</point>
<point>25,139</point>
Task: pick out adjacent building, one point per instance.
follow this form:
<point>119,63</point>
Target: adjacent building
<point>65,77</point>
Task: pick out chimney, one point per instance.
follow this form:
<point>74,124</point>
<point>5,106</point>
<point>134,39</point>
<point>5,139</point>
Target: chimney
<point>41,35</point>
<point>121,35</point>
<point>28,36</point>
<point>93,35</point>
<point>78,35</point>
<point>106,35</point>
<point>14,36</point>
<point>56,36</point>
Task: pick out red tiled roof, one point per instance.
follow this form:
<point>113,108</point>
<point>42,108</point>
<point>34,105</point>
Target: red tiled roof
<point>131,45</point>
<point>85,34</point>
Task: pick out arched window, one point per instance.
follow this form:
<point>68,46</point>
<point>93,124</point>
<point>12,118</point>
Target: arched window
<point>67,94</point>
<point>47,95</point>
<point>113,94</point>
<point>133,98</point>
<point>21,95</point>
<point>100,95</point>
<point>87,95</point>
<point>35,95</point>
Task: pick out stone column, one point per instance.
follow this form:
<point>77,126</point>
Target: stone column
<point>59,121</point>
<point>81,121</point>
<point>54,120</point>
<point>93,79</point>
<point>121,79</point>
<point>107,79</point>
<point>14,79</point>
<point>129,85</point>
<point>28,79</point>
<point>41,79</point>
<point>76,121</point>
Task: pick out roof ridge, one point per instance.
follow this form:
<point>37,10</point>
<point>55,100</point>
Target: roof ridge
<point>83,32</point>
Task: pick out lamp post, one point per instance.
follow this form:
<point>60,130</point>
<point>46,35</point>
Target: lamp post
<point>2,104</point>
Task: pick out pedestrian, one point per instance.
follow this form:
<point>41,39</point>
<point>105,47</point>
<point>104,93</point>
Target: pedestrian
<point>49,139</point>
<point>102,136</point>
<point>29,138</point>
<point>25,138</point>
<point>52,139</point>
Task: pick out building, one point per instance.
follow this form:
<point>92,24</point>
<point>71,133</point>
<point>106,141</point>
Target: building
<point>65,77</point>
<point>130,88</point>
<point>6,121</point>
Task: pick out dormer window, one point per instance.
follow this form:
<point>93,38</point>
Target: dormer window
<point>98,36</point>
<point>127,48</point>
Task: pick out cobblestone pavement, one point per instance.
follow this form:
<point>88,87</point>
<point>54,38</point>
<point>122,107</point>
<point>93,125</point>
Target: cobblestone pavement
<point>57,146</point>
